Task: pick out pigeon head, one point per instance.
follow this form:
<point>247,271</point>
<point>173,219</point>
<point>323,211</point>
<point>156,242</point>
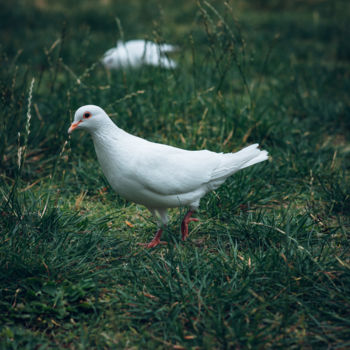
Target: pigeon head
<point>108,58</point>
<point>89,118</point>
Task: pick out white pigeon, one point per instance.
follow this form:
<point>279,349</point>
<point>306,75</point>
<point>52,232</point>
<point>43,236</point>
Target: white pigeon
<point>135,53</point>
<point>156,175</point>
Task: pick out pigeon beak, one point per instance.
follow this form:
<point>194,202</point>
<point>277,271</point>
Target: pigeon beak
<point>74,126</point>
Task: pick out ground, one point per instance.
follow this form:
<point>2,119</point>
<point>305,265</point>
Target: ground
<point>267,265</point>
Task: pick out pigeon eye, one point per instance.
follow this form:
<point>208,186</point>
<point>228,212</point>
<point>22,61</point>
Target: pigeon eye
<point>87,115</point>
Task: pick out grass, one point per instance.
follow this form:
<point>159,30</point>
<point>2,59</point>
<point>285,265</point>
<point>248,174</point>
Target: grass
<point>268,264</point>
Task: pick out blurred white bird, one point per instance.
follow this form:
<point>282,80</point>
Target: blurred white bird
<point>156,175</point>
<point>135,53</point>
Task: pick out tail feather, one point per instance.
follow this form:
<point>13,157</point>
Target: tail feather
<point>167,48</point>
<point>260,158</point>
<point>233,162</point>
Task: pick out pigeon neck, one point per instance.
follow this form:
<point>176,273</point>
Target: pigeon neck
<point>108,129</point>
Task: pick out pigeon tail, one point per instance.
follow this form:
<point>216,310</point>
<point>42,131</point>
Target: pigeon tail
<point>251,155</point>
<point>233,162</point>
<point>167,48</point>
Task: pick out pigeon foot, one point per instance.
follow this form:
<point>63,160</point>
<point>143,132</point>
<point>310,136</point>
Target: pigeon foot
<point>155,241</point>
<point>184,225</point>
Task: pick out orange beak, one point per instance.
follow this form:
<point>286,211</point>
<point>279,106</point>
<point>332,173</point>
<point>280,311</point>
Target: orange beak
<point>74,126</point>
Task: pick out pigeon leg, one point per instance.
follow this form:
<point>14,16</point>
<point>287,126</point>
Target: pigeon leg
<point>164,219</point>
<point>184,225</point>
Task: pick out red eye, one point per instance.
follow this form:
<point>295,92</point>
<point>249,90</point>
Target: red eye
<point>87,115</point>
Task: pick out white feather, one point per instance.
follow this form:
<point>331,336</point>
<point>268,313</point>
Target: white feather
<point>135,53</point>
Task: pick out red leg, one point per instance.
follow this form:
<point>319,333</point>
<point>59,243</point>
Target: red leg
<point>155,241</point>
<point>184,225</point>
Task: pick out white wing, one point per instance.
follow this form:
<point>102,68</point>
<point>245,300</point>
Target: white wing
<point>169,170</point>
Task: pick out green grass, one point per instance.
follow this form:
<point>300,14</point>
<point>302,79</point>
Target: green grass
<point>268,264</point>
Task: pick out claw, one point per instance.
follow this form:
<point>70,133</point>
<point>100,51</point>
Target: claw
<point>155,241</point>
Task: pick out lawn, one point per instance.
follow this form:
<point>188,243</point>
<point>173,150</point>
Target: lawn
<point>267,265</point>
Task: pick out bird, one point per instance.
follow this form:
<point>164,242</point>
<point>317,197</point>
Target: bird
<point>156,175</point>
<point>135,53</point>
